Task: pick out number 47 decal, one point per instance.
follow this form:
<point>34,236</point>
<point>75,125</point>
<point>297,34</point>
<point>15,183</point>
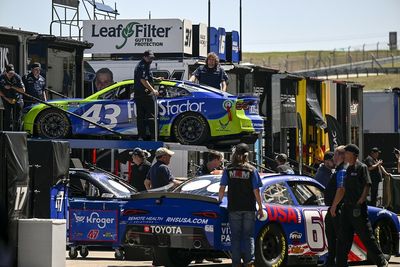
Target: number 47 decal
<point>315,229</point>
<point>20,197</point>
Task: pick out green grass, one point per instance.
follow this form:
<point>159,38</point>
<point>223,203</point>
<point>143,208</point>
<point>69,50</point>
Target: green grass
<point>374,82</point>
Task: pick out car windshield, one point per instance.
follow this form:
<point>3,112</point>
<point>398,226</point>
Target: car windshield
<point>207,185</point>
<point>118,188</point>
<point>307,194</point>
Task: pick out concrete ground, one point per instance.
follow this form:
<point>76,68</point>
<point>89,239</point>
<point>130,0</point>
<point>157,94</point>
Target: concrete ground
<point>106,259</point>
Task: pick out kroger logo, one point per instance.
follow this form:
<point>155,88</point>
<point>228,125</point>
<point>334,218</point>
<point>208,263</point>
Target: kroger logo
<point>132,29</point>
<point>94,218</point>
<point>167,109</point>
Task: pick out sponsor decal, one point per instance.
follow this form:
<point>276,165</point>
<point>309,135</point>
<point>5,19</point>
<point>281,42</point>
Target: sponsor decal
<point>93,234</point>
<point>283,214</point>
<point>186,220</point>
<point>295,235</point>
<point>160,229</point>
<point>166,109</point>
<point>94,218</point>
<point>225,234</point>
<point>298,249</point>
<point>209,228</point>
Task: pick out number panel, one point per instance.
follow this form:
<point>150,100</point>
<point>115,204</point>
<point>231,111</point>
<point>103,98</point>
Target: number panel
<point>315,229</point>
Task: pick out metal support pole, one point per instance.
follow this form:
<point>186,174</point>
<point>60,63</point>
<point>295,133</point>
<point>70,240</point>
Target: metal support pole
<point>240,29</point>
<point>209,25</point>
<point>155,118</point>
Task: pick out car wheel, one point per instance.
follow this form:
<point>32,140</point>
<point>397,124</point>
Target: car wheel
<point>191,129</point>
<point>53,123</point>
<point>271,247</point>
<point>72,253</point>
<point>84,252</point>
<point>384,237</point>
<point>172,257</point>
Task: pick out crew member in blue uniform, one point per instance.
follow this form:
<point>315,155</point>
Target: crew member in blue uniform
<point>243,182</point>
<point>211,73</point>
<point>354,212</point>
<point>35,85</point>
<point>143,94</point>
<point>333,195</point>
<point>140,168</point>
<point>11,87</point>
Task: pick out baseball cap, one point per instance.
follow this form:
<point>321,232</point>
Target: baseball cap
<point>281,157</point>
<point>148,53</point>
<point>10,67</point>
<point>242,148</point>
<point>328,155</point>
<point>375,149</point>
<point>352,148</point>
<point>36,65</point>
<point>163,151</point>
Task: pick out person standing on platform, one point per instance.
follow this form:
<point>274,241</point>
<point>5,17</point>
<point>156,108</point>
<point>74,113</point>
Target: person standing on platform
<point>11,88</point>
<point>211,73</point>
<point>354,212</point>
<point>35,85</point>
<point>143,94</point>
<point>140,168</point>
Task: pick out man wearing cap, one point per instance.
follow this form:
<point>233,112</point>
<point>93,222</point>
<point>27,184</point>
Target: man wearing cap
<point>283,166</point>
<point>143,94</point>
<point>324,171</point>
<point>140,168</point>
<point>375,171</point>
<point>11,88</point>
<point>159,174</point>
<point>354,213</point>
<point>243,182</point>
<point>35,85</point>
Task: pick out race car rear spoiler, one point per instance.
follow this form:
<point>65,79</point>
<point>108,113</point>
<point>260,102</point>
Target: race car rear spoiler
<point>161,195</point>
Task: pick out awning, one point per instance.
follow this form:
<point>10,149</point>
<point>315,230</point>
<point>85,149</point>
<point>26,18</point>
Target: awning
<point>313,104</point>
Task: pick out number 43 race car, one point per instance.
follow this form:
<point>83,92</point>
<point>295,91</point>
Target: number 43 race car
<point>188,113</point>
<point>189,223</point>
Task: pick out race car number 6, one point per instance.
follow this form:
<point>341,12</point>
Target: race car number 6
<point>315,229</point>
<point>93,114</point>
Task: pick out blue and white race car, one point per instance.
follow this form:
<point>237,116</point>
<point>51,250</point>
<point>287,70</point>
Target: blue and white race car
<point>188,113</point>
<point>189,223</point>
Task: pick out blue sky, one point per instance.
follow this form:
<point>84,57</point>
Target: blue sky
<point>267,25</point>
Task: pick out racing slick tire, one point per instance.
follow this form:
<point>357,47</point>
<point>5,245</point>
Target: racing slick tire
<point>84,252</point>
<point>172,257</point>
<point>72,253</point>
<point>384,237</point>
<point>191,129</point>
<point>52,123</point>
<point>271,247</point>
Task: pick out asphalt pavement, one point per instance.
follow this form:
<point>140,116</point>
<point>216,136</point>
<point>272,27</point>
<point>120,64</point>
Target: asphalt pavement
<point>106,259</point>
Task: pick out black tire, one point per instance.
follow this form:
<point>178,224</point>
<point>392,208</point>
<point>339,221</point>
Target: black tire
<point>172,257</point>
<point>119,254</point>
<point>52,123</point>
<point>191,129</point>
<point>384,237</point>
<point>271,247</point>
<point>84,252</point>
<point>72,253</point>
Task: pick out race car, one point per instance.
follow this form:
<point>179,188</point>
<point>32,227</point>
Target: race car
<point>190,223</point>
<point>90,201</point>
<point>188,113</point>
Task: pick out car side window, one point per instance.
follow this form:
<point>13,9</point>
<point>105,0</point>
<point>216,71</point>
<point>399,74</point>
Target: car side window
<point>172,91</point>
<point>79,187</point>
<point>121,92</point>
<point>307,194</point>
<point>277,194</point>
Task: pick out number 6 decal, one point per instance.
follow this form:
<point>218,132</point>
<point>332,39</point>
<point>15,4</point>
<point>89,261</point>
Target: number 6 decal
<point>315,230</point>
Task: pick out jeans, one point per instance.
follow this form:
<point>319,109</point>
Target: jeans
<point>242,236</point>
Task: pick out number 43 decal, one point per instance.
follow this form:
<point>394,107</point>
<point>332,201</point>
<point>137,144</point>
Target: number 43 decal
<point>111,113</point>
<point>315,229</point>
